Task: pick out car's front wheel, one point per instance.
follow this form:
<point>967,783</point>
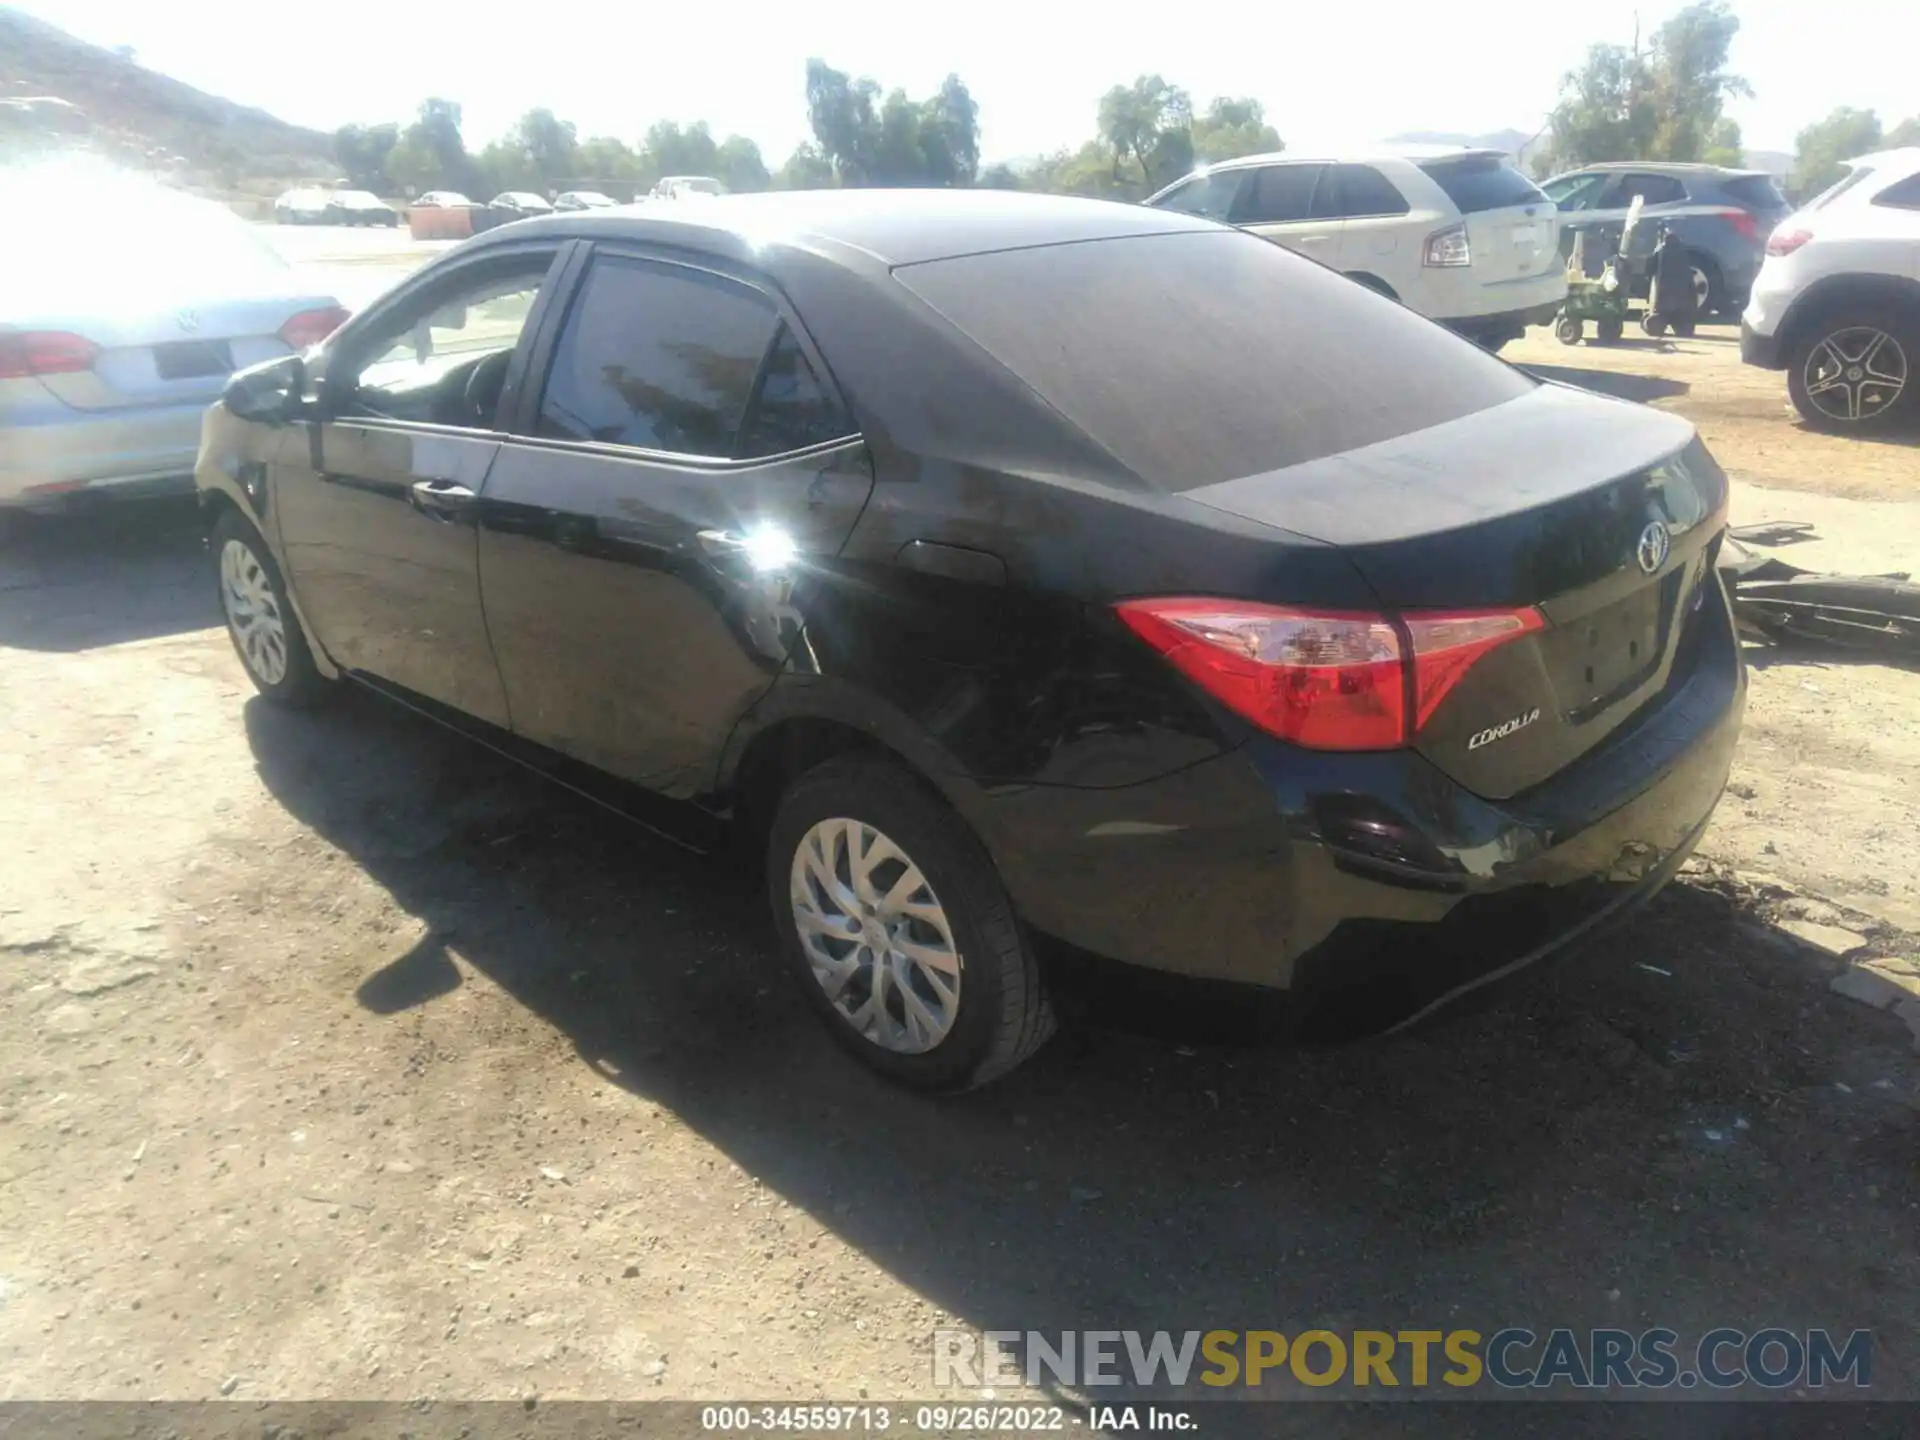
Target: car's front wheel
<point>260,618</point>
<point>1853,372</point>
<point>898,929</point>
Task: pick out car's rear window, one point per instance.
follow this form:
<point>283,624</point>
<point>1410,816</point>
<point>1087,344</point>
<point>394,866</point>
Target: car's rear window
<point>1207,355</point>
<point>1757,191</point>
<point>1483,182</point>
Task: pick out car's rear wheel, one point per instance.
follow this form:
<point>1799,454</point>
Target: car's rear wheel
<point>1709,290</point>
<point>897,927</point>
<point>261,622</point>
<point>1853,372</point>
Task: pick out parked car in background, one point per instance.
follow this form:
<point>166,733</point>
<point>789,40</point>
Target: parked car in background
<point>1722,217</point>
<point>300,207</point>
<point>519,204</point>
<point>445,200</point>
<point>1837,304</point>
<point>1459,236</point>
<point>1003,566</point>
<point>583,200</point>
<point>114,340</point>
<point>359,207</point>
<point>680,187</point>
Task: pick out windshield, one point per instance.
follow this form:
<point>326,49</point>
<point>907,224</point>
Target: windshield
<point>1209,355</point>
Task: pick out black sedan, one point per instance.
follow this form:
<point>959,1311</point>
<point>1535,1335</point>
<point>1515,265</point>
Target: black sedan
<point>359,207</point>
<point>1021,576</point>
<point>519,205</point>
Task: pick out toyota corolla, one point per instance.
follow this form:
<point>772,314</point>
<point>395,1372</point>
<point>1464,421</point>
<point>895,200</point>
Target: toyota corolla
<point>1019,576</point>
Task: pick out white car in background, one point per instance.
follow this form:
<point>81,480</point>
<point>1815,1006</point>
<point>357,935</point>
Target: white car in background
<point>682,187</point>
<point>115,339</point>
<point>1458,235</point>
<point>1837,302</point>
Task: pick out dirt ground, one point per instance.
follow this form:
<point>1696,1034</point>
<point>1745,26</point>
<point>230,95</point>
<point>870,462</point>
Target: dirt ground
<point>346,1061</point>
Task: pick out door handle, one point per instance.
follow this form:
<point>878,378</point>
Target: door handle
<point>441,498</point>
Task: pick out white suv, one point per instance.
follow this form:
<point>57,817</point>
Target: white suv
<point>1837,302</point>
<point>1458,235</point>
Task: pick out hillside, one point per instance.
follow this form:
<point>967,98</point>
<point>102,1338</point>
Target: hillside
<point>137,117</point>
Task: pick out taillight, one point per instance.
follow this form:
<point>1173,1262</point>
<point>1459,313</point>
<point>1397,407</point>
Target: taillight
<point>1784,241</point>
<point>1449,247</point>
<point>310,327</point>
<point>27,353</point>
<point>1328,680</point>
<point>1742,222</point>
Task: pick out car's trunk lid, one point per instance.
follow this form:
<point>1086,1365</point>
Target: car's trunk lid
<point>1513,229</point>
<point>1601,515</point>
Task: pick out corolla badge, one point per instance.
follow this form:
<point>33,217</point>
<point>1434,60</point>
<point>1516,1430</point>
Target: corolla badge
<point>1651,552</point>
<point>1503,729</point>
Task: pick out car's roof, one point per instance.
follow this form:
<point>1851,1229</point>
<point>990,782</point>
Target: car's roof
<point>1412,154</point>
<point>890,227</point>
<point>1888,160</point>
<point>1664,167</point>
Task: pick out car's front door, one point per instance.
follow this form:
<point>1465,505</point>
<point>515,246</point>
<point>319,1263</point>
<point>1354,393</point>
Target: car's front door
<point>378,530</point>
<point>650,545</point>
<point>1276,202</point>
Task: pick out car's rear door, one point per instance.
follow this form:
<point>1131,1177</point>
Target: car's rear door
<point>651,537</point>
<point>1375,238</point>
<point>1276,202</point>
<point>378,528</point>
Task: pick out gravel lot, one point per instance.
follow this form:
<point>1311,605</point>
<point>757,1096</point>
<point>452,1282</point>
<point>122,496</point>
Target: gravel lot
<point>346,1061</point>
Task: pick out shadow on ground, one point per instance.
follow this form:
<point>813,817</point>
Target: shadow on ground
<point>1678,1127</point>
<point>130,571</point>
<point>1619,384</point>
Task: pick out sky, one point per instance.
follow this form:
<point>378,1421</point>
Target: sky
<point>1331,75</point>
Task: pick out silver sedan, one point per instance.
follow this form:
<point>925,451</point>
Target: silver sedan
<point>120,321</point>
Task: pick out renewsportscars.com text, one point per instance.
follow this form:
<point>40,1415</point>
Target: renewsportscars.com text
<point>1513,1358</point>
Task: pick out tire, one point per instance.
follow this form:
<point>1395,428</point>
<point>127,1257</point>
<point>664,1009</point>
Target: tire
<point>1653,325</point>
<point>1710,297</point>
<point>999,1014</point>
<point>253,585</point>
<point>1866,405</point>
<point>1608,331</point>
<point>1568,330</point>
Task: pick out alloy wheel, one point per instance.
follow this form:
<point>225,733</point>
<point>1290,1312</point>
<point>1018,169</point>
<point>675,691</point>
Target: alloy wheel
<point>1702,290</point>
<point>253,614</point>
<point>875,935</point>
<point>1856,373</point>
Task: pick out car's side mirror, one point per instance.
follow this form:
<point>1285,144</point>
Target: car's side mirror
<point>269,393</point>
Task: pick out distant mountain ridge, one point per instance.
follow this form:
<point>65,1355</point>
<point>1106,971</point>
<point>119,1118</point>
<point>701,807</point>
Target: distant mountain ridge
<point>138,116</point>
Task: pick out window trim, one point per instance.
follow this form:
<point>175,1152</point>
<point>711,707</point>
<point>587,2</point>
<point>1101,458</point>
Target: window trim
<point>433,281</point>
<point>521,425</point>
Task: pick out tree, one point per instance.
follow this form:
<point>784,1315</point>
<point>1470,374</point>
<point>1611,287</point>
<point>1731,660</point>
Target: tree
<point>1907,132</point>
<point>363,152</point>
<point>895,140</point>
<point>1148,125</point>
<point>740,167</point>
<point>1726,148</point>
<point>1819,149</point>
<point>1661,103</point>
<point>1232,128</point>
<point>806,169</point>
<point>667,149</point>
<point>1000,176</point>
<point>604,160</point>
<point>431,153</point>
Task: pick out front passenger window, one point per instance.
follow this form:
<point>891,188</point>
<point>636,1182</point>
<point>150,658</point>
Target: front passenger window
<point>444,361</point>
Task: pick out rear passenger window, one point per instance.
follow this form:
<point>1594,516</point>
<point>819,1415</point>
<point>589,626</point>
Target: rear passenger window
<point>1904,196</point>
<point>658,357</point>
<point>1277,194</point>
<point>1483,182</point>
<point>793,410</point>
<point>1355,191</point>
<point>1652,189</point>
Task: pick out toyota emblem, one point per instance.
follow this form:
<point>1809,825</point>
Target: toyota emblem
<point>188,320</point>
<point>1652,549</point>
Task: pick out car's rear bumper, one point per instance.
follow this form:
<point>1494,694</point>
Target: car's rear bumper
<point>51,456</point>
<point>1467,303</point>
<point>1373,879</point>
<point>1761,350</point>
